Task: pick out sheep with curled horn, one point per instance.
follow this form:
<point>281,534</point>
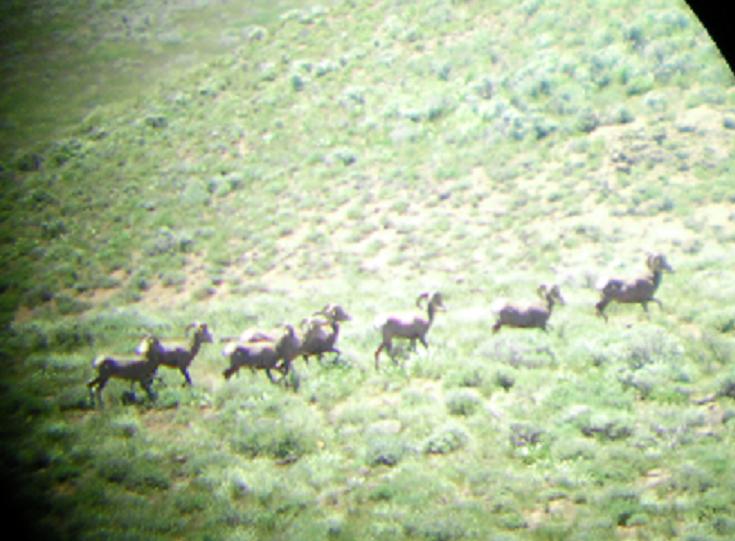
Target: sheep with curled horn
<point>636,291</point>
<point>321,333</point>
<point>264,355</point>
<point>411,327</point>
<point>180,357</point>
<point>141,371</point>
<point>530,316</point>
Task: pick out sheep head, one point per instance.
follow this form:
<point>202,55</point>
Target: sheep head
<point>550,294</point>
<point>657,262</point>
<point>202,330</point>
<point>435,299</point>
<point>335,313</point>
<point>289,330</point>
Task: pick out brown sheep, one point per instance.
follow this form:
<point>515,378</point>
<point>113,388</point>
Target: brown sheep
<point>180,357</point>
<point>317,339</point>
<point>529,317</point>
<point>636,291</point>
<point>412,327</point>
<point>140,371</point>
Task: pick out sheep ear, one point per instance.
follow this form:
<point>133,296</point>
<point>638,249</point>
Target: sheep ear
<point>542,291</point>
<point>424,296</point>
<point>650,260</point>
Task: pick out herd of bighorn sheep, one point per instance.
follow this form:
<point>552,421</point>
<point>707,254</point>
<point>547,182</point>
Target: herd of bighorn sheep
<point>318,334</point>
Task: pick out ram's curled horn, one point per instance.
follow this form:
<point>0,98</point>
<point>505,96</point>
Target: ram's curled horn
<point>423,297</point>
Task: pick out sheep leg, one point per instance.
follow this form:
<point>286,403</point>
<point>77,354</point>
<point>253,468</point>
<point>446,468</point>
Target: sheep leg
<point>90,386</point>
<point>393,357</point>
<point>95,387</point>
<point>149,391</point>
<point>228,372</point>
<point>270,375</point>
<point>389,349</point>
<point>93,383</point>
<point>98,394</point>
<point>424,342</point>
<point>660,304</point>
<point>600,308</point>
<point>285,368</point>
<point>185,372</point>
<point>377,355</point>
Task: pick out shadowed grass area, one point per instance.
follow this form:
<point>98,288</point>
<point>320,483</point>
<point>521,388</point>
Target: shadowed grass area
<point>62,60</point>
<point>360,154</point>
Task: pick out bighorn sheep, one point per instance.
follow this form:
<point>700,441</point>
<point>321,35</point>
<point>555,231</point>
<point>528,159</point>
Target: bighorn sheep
<point>412,327</point>
<point>180,357</point>
<point>264,355</point>
<point>639,290</point>
<point>141,371</point>
<point>533,316</point>
<point>317,339</point>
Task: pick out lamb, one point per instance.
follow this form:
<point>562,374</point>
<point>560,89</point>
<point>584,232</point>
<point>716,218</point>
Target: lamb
<point>412,327</point>
<point>317,339</point>
<point>141,371</point>
<point>639,290</point>
<point>529,317</point>
<point>264,355</point>
<point>180,357</point>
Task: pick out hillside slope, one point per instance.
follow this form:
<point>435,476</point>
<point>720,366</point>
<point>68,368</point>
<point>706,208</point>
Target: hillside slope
<point>361,153</point>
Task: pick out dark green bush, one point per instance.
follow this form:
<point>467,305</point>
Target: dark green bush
<point>445,440</point>
<point>69,305</point>
<point>29,162</point>
<point>463,401</point>
<point>387,450</point>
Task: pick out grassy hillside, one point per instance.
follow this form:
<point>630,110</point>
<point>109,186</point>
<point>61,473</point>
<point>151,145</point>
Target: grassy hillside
<point>361,153</point>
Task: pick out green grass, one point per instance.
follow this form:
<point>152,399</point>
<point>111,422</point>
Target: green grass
<point>363,153</point>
